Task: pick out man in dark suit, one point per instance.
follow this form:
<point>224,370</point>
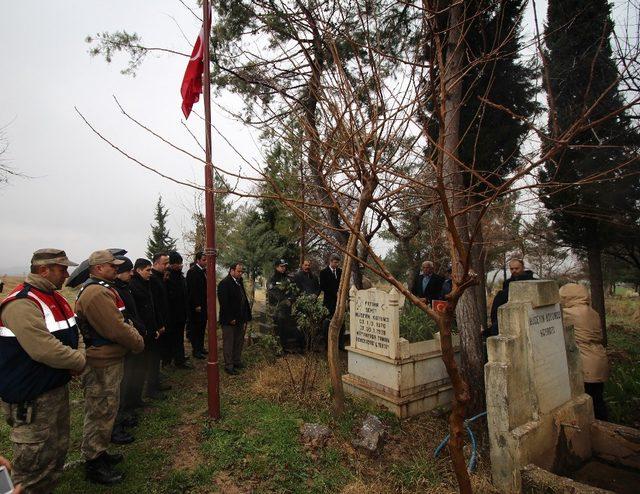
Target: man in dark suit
<point>235,313</point>
<point>197,300</point>
<point>427,284</point>
<point>329,283</point>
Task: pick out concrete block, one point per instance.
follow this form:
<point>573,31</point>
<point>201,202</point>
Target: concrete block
<point>616,444</point>
<point>536,480</point>
<point>536,292</point>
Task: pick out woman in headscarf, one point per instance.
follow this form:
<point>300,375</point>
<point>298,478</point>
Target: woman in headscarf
<point>577,312</point>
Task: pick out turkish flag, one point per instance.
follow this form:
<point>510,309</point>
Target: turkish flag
<point>440,305</point>
<point>192,80</point>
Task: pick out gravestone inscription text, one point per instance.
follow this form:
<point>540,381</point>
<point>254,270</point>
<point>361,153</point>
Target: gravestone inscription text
<point>550,368</point>
<point>372,322</point>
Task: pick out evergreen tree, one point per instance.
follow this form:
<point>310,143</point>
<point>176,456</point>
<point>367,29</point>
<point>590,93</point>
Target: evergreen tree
<point>160,239</point>
<point>591,197</point>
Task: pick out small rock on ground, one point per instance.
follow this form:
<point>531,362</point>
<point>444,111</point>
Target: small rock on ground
<point>370,436</point>
<point>315,435</point>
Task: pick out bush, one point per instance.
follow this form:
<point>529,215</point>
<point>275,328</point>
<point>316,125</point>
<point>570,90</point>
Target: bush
<point>416,325</point>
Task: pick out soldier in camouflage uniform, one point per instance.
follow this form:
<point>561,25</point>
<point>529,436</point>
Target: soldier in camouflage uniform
<point>108,338</point>
<point>40,350</point>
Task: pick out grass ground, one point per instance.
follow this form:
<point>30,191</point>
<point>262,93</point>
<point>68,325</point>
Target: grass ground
<point>622,390</point>
<point>256,446</point>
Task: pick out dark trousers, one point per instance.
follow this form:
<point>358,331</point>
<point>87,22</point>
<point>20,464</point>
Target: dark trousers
<point>290,336</point>
<point>324,337</point>
<point>232,342</point>
<point>172,344</point>
<point>197,324</point>
<point>135,370</point>
<point>152,356</point>
<point>596,391</point>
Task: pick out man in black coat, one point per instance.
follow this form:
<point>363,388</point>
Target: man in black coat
<point>330,282</point>
<point>177,312</point>
<point>150,317</point>
<point>518,273</point>
<point>197,304</point>
<point>134,364</point>
<point>235,313</point>
<point>306,281</point>
<point>161,302</point>
<point>427,284</point>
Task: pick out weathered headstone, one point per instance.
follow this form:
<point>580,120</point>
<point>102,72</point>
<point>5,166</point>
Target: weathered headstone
<point>538,412</point>
<point>407,378</point>
<point>374,322</point>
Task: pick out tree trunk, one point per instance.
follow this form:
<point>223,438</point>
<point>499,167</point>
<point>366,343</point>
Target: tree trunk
<point>472,356</point>
<point>333,351</point>
<point>471,316</point>
<point>449,139</point>
<point>310,126</point>
<point>594,258</point>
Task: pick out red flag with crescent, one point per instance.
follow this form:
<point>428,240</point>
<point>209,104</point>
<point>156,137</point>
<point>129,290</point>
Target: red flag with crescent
<point>192,81</point>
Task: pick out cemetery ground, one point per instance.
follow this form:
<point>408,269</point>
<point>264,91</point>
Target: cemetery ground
<point>256,446</point>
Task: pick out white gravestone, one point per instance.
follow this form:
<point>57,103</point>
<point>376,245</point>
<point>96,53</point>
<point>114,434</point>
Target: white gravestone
<point>407,378</point>
<point>374,324</point>
<point>537,411</point>
<point>550,369</point>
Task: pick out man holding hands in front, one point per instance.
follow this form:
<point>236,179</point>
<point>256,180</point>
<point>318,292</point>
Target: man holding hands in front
<point>108,337</point>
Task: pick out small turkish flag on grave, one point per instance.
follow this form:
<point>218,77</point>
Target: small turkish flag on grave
<point>440,305</point>
<point>192,81</point>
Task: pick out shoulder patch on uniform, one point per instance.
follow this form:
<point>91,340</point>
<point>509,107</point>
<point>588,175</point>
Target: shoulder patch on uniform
<point>24,292</point>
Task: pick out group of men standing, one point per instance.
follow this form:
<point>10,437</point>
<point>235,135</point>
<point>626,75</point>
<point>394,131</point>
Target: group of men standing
<point>280,296</point>
<point>129,318</point>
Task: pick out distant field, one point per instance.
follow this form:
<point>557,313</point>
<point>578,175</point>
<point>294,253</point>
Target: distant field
<point>10,282</point>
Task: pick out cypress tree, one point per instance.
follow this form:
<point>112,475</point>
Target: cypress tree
<point>160,240</point>
<point>588,196</point>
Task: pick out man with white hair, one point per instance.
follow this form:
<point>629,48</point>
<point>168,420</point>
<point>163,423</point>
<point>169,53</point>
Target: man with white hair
<point>427,285</point>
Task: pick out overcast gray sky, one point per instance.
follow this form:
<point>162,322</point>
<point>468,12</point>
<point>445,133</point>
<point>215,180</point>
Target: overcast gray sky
<point>84,195</point>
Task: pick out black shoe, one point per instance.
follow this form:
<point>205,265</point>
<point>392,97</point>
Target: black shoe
<point>199,356</point>
<point>140,404</point>
<point>99,471</point>
<point>204,351</point>
<point>120,436</point>
<point>239,366</point>
<point>130,421</point>
<point>231,371</point>
<point>111,459</point>
<point>184,365</point>
<point>164,387</point>
<point>156,395</point>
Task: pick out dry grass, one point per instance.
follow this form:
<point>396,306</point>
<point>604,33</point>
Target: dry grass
<point>406,462</point>
<point>623,310</point>
<point>281,380</point>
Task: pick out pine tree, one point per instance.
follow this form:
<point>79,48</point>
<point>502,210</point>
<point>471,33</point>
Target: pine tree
<point>160,239</point>
<point>591,199</point>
